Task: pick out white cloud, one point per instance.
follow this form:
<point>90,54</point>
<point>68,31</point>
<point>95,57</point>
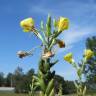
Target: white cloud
<point>70,8</point>
<point>76,34</point>
<point>81,10</point>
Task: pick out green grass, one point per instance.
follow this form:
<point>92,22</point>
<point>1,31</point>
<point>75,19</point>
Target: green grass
<point>14,94</point>
<point>11,94</point>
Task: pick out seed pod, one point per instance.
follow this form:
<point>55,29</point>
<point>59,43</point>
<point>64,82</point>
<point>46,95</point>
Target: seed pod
<point>22,54</point>
<point>61,43</point>
<point>47,55</point>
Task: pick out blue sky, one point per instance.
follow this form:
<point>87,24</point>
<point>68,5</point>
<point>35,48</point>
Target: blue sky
<point>82,17</point>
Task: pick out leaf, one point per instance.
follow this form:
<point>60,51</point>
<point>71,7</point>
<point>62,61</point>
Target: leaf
<point>46,67</point>
<point>53,42</point>
<point>55,23</point>
<point>52,93</point>
<point>48,26</point>
<point>43,30</point>
<point>41,38</point>
<point>79,72</point>
<point>37,84</point>
<point>42,84</point>
<point>76,85</point>
<point>84,91</point>
<point>41,93</point>
<point>40,74</point>
<point>53,63</point>
<point>50,87</point>
<point>35,77</point>
<point>42,25</point>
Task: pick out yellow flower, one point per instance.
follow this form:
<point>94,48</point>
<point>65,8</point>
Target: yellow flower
<point>88,54</point>
<point>27,24</point>
<point>60,43</point>
<point>62,24</point>
<point>68,57</point>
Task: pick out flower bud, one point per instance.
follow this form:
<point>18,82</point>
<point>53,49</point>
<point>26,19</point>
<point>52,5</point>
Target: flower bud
<point>60,43</point>
<point>48,54</point>
<point>22,54</point>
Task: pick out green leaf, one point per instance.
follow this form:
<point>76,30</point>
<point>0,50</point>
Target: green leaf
<point>37,84</point>
<point>52,93</point>
<point>43,30</point>
<point>53,63</point>
<point>40,74</point>
<point>42,84</point>
<point>84,91</point>
<point>41,38</point>
<point>48,26</point>
<point>42,93</point>
<point>42,25</point>
<point>53,42</point>
<point>35,77</point>
<point>79,72</point>
<point>46,67</point>
<point>50,87</point>
<point>76,85</point>
<point>54,23</point>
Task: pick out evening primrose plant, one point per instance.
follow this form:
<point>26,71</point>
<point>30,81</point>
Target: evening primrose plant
<point>49,38</point>
<point>81,89</point>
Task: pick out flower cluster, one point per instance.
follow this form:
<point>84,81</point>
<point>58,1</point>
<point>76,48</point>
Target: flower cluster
<point>28,24</point>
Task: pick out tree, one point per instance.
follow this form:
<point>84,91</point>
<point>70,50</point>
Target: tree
<point>67,86</point>
<point>59,80</point>
<point>21,81</point>
<point>9,80</point>
<point>27,80</point>
<point>90,71</point>
<point>18,79</point>
<point>2,80</point>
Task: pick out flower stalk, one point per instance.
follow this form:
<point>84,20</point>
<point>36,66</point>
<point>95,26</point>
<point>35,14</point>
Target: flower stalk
<point>80,87</point>
<point>45,77</point>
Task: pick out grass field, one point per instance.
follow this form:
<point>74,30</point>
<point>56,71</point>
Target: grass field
<point>13,94</point>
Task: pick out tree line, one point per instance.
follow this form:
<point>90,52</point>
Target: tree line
<point>22,81</point>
